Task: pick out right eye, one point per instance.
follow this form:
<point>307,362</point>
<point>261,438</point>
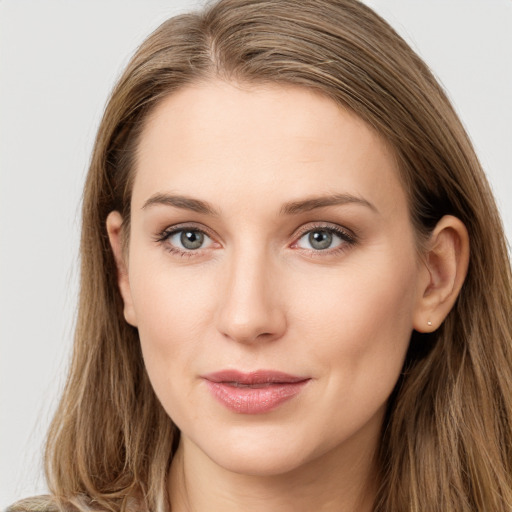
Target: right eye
<point>185,240</point>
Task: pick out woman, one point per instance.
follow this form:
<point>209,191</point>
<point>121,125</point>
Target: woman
<point>295,285</point>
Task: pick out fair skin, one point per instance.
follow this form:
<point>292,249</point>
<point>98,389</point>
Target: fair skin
<point>266,279</point>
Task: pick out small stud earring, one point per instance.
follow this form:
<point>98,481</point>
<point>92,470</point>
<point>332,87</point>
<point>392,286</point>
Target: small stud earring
<point>429,323</point>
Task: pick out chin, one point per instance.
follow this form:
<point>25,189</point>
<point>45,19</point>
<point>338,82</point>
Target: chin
<point>269,453</point>
<point>261,464</point>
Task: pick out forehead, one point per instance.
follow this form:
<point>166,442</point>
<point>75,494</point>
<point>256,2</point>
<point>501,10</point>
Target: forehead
<point>275,142</point>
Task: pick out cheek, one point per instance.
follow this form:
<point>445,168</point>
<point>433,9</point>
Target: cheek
<point>369,309</point>
<point>169,337</point>
<point>172,309</point>
<point>358,326</point>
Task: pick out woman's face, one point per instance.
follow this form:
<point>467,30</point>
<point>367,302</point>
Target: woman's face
<point>272,274</point>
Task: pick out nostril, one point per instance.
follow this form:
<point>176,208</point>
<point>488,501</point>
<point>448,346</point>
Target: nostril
<point>251,332</point>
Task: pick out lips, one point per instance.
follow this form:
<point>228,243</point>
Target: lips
<point>256,392</point>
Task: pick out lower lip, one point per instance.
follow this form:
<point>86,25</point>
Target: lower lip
<point>255,400</point>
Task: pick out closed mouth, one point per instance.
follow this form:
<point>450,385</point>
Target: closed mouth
<point>258,378</point>
<point>255,392</point>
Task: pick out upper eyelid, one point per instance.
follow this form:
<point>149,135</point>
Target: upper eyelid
<point>176,228</point>
<point>327,226</point>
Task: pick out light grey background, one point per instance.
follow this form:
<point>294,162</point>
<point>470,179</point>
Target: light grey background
<point>58,62</point>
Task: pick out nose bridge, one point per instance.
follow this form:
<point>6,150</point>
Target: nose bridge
<point>250,308</point>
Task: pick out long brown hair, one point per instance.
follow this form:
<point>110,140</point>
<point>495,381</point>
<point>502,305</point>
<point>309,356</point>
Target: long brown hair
<point>447,439</point>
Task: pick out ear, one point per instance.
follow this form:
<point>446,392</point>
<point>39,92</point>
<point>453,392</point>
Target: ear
<point>446,265</point>
<point>114,230</point>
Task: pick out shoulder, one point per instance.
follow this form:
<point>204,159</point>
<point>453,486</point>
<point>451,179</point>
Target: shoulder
<point>48,503</point>
<point>36,504</point>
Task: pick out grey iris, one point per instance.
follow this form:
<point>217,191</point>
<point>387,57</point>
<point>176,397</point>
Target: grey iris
<point>320,239</point>
<point>192,239</point>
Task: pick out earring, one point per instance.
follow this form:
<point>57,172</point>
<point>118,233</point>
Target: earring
<point>429,323</point>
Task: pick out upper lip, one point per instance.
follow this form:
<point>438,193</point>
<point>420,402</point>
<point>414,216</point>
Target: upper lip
<point>256,377</point>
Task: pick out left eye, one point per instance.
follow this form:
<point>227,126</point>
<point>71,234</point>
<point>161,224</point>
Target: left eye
<point>189,239</point>
<point>321,239</point>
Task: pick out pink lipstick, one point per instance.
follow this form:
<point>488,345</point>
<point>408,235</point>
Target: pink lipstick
<point>256,392</point>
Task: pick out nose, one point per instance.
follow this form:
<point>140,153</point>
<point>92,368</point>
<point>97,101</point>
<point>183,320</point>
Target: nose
<point>250,306</point>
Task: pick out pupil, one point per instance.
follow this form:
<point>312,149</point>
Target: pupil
<point>320,239</point>
<point>191,239</point>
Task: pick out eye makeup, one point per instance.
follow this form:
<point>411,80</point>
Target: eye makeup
<point>318,239</point>
<point>194,240</point>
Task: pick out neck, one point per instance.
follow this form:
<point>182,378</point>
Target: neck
<point>343,480</point>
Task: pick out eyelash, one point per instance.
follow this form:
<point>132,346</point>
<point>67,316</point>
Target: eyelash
<point>167,233</point>
<point>347,238</point>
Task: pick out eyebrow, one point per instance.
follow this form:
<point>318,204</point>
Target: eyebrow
<point>186,203</point>
<point>312,203</point>
<point>291,208</point>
